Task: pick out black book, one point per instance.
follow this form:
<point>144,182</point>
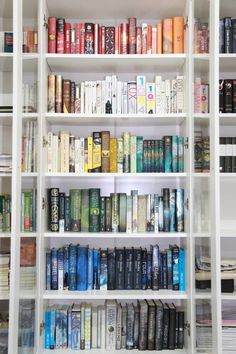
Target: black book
<point>160,275</point>
<point>130,327</point>
<point>151,325</point>
<point>229,155</point>
<point>228,35</point>
<point>166,322</point>
<point>137,269</point>
<point>222,154</point>
<point>143,325</point>
<point>159,325</point>
<point>181,330</point>
<point>164,270</point>
<point>175,267</point>
<point>233,22</point>
<point>172,324</point>
<point>108,214</point>
<point>149,270</point>
<point>102,214</point>
<point>61,212</point>
<point>221,96</point>
<point>136,326</point>
<point>111,269</point>
<point>176,330</point>
<point>166,209</point>
<point>234,157</point>
<point>228,96</point>
<point>53,205</point>
<point>234,95</point>
<point>120,268</point>
<point>144,269</point>
<point>129,268</point>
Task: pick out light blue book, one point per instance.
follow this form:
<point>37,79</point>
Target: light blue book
<point>90,269</point>
<point>75,326</point>
<point>182,286</point>
<point>47,318</point>
<point>172,211</point>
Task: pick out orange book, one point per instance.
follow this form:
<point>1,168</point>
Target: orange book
<point>178,35</point>
<point>154,40</point>
<point>113,155</point>
<point>167,36</point>
<point>159,38</point>
<point>149,40</point>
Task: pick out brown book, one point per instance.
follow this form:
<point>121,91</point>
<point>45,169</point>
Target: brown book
<point>167,36</point>
<point>66,84</point>
<point>113,155</point>
<point>110,40</point>
<point>149,40</point>
<point>132,35</point>
<point>159,38</point>
<point>106,151</point>
<point>142,213</point>
<point>72,97</point>
<point>178,35</point>
<point>27,253</point>
<point>58,94</point>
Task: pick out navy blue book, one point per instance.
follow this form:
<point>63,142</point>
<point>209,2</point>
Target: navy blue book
<point>137,268</point>
<point>221,36</point>
<point>54,269</point>
<point>149,270</point>
<point>120,268</point>
<point>95,269</point>
<point>82,268</point>
<point>66,268</point>
<point>129,268</point>
<point>72,267</point>
<point>144,269</point>
<point>90,270</point>
<point>111,270</point>
<point>48,270</point>
<point>164,270</point>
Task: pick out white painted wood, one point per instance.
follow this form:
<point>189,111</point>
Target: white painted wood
<point>119,235</point>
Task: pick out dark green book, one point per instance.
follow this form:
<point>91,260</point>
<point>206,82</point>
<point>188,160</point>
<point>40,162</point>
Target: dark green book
<point>103,214</point>
<point>108,214</point>
<point>122,212</point>
<point>115,212</point>
<point>145,156</point>
<point>94,210</point>
<point>85,211</point>
<point>75,210</point>
<point>67,213</point>
<point>149,153</point>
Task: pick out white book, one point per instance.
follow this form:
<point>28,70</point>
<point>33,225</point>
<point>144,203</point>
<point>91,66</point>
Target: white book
<point>27,147</point>
<point>55,153</point>
<point>180,94</point>
<point>94,96</point>
<point>103,96</point>
<point>88,313</point>
<point>81,156</point>
<point>111,309</point>
<point>103,328</point>
<point>77,155</point>
<point>2,35</point>
<point>108,97</point>
<point>167,88</point>
<point>125,98</point>
<point>173,96</point>
<point>119,97</point>
<point>90,97</point>
<point>150,98</point>
<point>163,97</point>
<point>118,326</point>
<point>30,146</point>
<point>94,327</point>
<point>35,145</point>
<point>99,327</point>
<point>86,97</point>
<point>141,94</point>
<point>99,97</point>
<point>114,93</point>
<point>158,82</point>
<point>64,151</point>
<point>132,97</point>
<point>82,98</point>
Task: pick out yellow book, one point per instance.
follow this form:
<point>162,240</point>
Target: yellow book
<point>90,154</point>
<point>113,155</point>
<point>97,152</point>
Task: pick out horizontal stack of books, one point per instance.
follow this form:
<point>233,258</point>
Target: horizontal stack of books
<point>227,92</point>
<point>30,40</point>
<point>85,210</point>
<point>102,153</point>
<point>5,213</point>
<point>201,152</point>
<point>27,265</point>
<point>29,147</point>
<point>29,98</point>
<point>228,154</point>
<point>201,37</point>
<point>6,109</point>
<point>4,272</point>
<point>147,325</point>
<point>28,210</point>
<point>6,42</point>
<point>201,96</point>
<point>112,96</point>
<point>88,38</point>
<point>81,268</point>
<point>227,41</point>
<point>5,163</point>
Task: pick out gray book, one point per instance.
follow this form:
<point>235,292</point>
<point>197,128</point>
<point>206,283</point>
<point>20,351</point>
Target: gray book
<point>143,327</point>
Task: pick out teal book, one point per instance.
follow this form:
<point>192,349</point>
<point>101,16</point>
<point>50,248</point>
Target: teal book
<point>139,152</point>
<point>149,154</point>
<point>75,210</point>
<point>161,156</point>
<point>94,210</point>
<point>182,286</point>
<point>156,157</point>
<point>180,154</point>
<point>85,211</point>
<point>174,153</point>
<point>152,169</point>
<point>172,211</point>
<point>167,154</point>
<point>145,156</point>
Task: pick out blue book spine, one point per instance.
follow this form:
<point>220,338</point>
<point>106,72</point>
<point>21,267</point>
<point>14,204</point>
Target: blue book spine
<point>90,269</point>
<point>47,317</point>
<point>58,330</point>
<point>75,328</point>
<point>72,267</point>
<point>66,268</point>
<point>82,268</point>
<point>99,267</point>
<point>149,270</point>
<point>95,270</point>
<point>161,155</point>
<point>174,153</point>
<point>103,270</point>
<point>48,270</point>
<point>182,269</point>
<point>172,211</point>
<point>168,154</point>
<point>180,210</point>
<point>175,263</point>
<point>180,154</point>
<point>169,269</point>
<point>69,327</point>
<point>60,261</point>
<point>52,328</point>
<point>221,36</point>
<point>234,34</point>
<point>64,318</point>
<point>161,214</point>
<point>54,269</point>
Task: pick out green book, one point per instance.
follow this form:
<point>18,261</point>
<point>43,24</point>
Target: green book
<point>27,202</point>
<point>85,210</point>
<point>122,212</point>
<point>139,152</point>
<point>103,214</point>
<point>94,210</point>
<point>108,214</point>
<point>145,156</point>
<point>75,210</point>
<point>114,212</point>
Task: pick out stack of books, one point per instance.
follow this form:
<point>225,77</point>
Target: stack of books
<point>4,272</point>
<point>147,325</point>
<point>29,147</point>
<point>201,37</point>
<point>27,265</point>
<point>5,163</point>
<point>6,109</point>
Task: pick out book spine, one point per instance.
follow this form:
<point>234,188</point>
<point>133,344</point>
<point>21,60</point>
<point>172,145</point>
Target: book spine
<point>72,267</point>
<point>143,328</point>
<point>137,282</point>
<point>129,271</point>
<point>228,35</point>
<point>104,270</point>
<point>182,269</point>
<point>105,151</point>
<point>48,270</point>
<point>114,212</point>
<point>82,327</point>
<point>161,214</point>
<point>66,95</point>
<point>120,155</point>
<point>120,269</point>
<point>61,212</point>
<point>118,327</point>
<point>181,330</point>
<point>67,38</point>
<point>89,38</point>
<point>132,97</point>
<point>75,328</point>
<point>60,265</point>
<point>54,209</point>
<point>175,153</point>
<point>90,270</point>
<point>180,94</point>
<point>94,330</point>
<point>97,152</point>
<point>124,39</point>
<point>111,270</point>
<point>108,209</point>
<point>141,94</point>
<point>167,36</point>
<point>134,194</point>
<point>84,210</point>
<point>60,35</point>
<point>65,268</point>
<point>54,269</point>
<point>221,36</point>
<point>51,93</point>
<point>159,325</point>
<point>172,329</point>
<point>75,210</point>
<point>151,325</point>
<point>113,155</point>
<point>122,212</point>
<point>234,88</point>
<point>126,165</point>
<point>168,157</point>
<point>150,98</point>
<point>144,38</point>
<point>166,321</point>
<point>234,35</point>
<point>139,154</point>
<point>155,267</point>
<point>94,210</point>
<point>103,214</point>
<point>82,268</point>
<point>166,209</point>
<point>178,35</point>
<point>144,270</point>
<point>130,327</point>
<point>172,205</point>
<point>175,267</point>
<point>180,154</point>
<point>179,210</point>
<point>52,32</point>
<point>111,318</point>
<point>132,35</point>
<point>110,40</point>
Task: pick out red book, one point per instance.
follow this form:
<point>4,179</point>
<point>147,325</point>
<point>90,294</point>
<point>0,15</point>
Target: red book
<point>132,35</point>
<point>100,40</point>
<point>124,38</point>
<point>96,38</point>
<point>89,38</point>
<point>103,40</point>
<point>144,38</point>
<point>77,38</point>
<point>67,38</point>
<point>82,38</point>
<point>139,40</point>
<point>61,35</point>
<point>117,40</point>
<point>52,32</point>
<point>149,40</point>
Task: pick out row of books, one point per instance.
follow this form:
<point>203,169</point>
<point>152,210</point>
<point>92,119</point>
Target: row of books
<point>4,271</point>
<point>26,332</point>
<point>201,152</point>
<point>227,154</point>
<point>85,210</point>
<point>201,96</point>
<point>5,163</point>
<point>147,325</point>
<point>201,37</point>
<point>112,96</point>
<point>127,38</point>
<point>5,213</point>
<point>76,267</point>
<point>6,42</point>
<point>101,153</point>
<point>227,31</point>
<point>29,147</point>
<point>28,210</point>
<point>30,40</point>
<point>227,96</point>
<point>29,98</point>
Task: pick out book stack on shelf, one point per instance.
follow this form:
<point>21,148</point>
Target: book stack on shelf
<point>228,154</point>
<point>201,96</point>
<point>27,265</point>
<point>26,325</point>
<point>4,272</point>
<point>227,94</point>
<point>4,325</point>
<point>6,109</point>
<point>85,210</point>
<point>28,210</point>
<point>201,37</point>
<point>29,147</point>
<point>5,163</point>
<point>29,98</point>
<point>82,268</point>
<point>227,41</point>
<point>30,40</point>
<point>112,96</point>
<point>6,42</point>
<point>103,153</point>
<point>228,327</point>
<point>5,213</point>
<point>147,325</point>
<point>201,152</point>
<point>88,38</point>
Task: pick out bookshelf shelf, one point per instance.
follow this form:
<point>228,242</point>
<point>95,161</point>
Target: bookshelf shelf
<point>229,296</point>
<point>122,351</point>
<point>228,233</point>
<point>97,63</point>
<point>120,236</point>
<point>29,174</point>
<point>201,62</point>
<point>227,119</point>
<point>117,175</point>
<point>7,175</point>
<point>114,294</point>
<point>30,115</point>
<point>201,234</point>
<point>227,62</point>
<point>5,235</point>
<point>202,175</point>
<point>202,295</point>
<point>28,234</point>
<point>6,62</point>
<point>6,119</point>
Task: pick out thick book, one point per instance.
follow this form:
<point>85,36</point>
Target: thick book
<point>178,34</point>
<point>108,214</point>
<point>221,36</point>
<point>110,40</point>
<point>111,315</point>
<point>129,268</point>
<point>105,151</point>
<point>72,267</point>
<point>87,326</point>
<point>94,210</point>
<point>159,324</point>
<point>103,270</point>
<point>75,210</point>
<point>84,210</point>
<point>179,210</point>
<point>143,325</point>
<point>228,96</point>
<point>90,270</point>
<point>151,325</point>
<point>175,267</point>
<point>53,199</point>
<point>181,330</point>
<point>166,209</point>
<point>89,38</point>
<point>166,324</point>
<point>82,268</point>
<point>54,269</point>
<point>167,36</point>
<point>228,35</point>
<point>155,267</point>
<point>119,327</point>
<point>136,326</point>
<point>115,212</point>
<point>130,327</point>
<point>97,152</point>
<point>144,270</point>
<point>137,281</point>
<point>172,324</point>
<point>123,327</point>
<point>122,212</point>
<point>167,154</point>
<point>120,268</point>
<point>75,326</point>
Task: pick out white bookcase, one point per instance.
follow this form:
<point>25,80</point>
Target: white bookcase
<point>210,219</point>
